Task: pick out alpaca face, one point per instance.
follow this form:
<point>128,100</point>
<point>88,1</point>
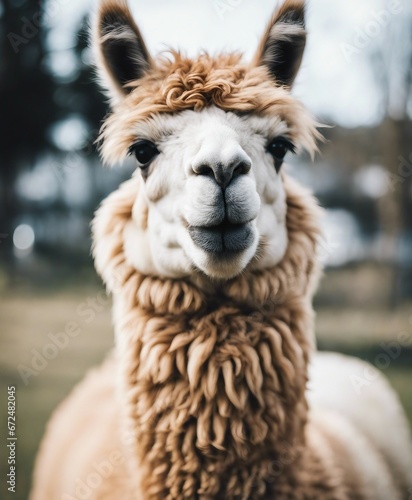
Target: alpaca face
<point>214,193</point>
<point>209,137</point>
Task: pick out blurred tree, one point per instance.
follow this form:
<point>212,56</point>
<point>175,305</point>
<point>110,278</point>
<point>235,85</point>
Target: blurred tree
<point>86,99</point>
<point>25,92</point>
<point>33,99</point>
<point>80,96</point>
<point>392,64</point>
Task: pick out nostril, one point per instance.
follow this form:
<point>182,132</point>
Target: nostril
<point>203,169</point>
<point>223,173</point>
<point>243,167</point>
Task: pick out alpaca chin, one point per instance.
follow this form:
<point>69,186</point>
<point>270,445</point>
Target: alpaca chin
<point>223,264</point>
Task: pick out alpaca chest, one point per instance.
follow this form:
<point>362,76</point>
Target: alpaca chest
<point>209,400</point>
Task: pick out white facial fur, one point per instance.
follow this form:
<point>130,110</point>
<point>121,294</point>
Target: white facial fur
<point>178,198</point>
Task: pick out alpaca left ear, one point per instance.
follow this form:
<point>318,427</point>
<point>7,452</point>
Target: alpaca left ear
<point>120,50</point>
<point>282,46</point>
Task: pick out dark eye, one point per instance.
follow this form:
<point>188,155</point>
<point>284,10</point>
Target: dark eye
<point>278,149</point>
<point>144,152</point>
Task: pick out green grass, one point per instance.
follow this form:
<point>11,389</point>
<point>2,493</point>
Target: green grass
<point>400,378</point>
<point>26,321</point>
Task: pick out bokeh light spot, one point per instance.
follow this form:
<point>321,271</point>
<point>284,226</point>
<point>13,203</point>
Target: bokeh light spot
<point>23,237</point>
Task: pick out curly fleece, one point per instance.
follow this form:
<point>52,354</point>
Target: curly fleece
<point>214,378</point>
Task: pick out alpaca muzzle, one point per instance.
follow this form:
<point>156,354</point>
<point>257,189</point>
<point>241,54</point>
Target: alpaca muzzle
<point>229,228</point>
<point>226,238</point>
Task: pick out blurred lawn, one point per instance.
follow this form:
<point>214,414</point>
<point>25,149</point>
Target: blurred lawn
<point>28,317</point>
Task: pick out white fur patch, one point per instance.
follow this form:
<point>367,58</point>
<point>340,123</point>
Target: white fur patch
<point>177,197</point>
<point>357,391</point>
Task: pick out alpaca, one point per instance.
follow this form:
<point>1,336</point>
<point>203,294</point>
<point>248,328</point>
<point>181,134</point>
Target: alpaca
<point>210,254</point>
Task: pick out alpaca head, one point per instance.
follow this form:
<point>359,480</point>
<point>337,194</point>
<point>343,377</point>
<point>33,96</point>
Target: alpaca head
<point>209,136</point>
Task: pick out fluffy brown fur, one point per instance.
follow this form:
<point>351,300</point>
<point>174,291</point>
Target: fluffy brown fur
<point>211,375</point>
<point>181,83</point>
<point>215,377</point>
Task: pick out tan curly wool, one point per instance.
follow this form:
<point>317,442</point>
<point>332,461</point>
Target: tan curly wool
<point>206,396</point>
<point>178,83</point>
<point>214,376</point>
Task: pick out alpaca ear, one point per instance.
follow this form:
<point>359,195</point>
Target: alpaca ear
<point>121,53</point>
<point>283,43</point>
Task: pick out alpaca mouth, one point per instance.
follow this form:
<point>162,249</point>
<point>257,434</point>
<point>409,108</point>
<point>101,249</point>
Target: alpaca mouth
<point>225,238</point>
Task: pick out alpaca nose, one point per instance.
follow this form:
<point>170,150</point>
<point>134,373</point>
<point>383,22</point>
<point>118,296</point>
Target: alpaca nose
<point>223,171</point>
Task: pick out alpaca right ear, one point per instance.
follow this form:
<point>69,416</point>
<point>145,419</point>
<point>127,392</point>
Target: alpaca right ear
<point>282,46</point>
<point>121,53</point>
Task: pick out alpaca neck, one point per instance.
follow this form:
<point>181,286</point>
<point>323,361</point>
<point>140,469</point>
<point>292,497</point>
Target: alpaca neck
<point>213,381</point>
<point>218,390</point>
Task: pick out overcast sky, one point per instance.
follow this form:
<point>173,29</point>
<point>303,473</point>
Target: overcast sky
<point>336,80</point>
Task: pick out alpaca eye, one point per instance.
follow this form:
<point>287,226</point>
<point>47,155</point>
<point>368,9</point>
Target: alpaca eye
<point>278,149</point>
<point>144,152</point>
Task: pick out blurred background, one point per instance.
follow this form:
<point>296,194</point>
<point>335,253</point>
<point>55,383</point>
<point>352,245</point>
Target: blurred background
<point>356,77</point>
